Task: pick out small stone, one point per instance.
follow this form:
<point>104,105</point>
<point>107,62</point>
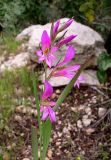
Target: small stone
<point>53,96</point>
<point>85,117</point>
<point>86,122</point>
<point>9,147</point>
<point>74,109</point>
<point>82,152</point>
<point>81,107</point>
<point>22,134</point>
<point>58,91</point>
<point>94,101</point>
<point>89,131</point>
<point>79,124</point>
<point>58,143</point>
<point>24,110</point>
<point>26,159</point>
<point>65,130</point>
<point>18,118</point>
<point>101,112</point>
<point>59,134</point>
<point>88,110</point>
<point>59,122</point>
<point>49,154</point>
<point>86,95</point>
<point>19,109</point>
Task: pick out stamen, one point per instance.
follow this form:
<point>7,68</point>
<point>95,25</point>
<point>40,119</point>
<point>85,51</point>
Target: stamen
<point>46,51</point>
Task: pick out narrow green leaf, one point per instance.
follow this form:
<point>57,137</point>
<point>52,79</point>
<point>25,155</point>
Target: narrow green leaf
<point>34,143</point>
<point>46,133</point>
<point>35,85</point>
<point>1,157</point>
<point>68,88</point>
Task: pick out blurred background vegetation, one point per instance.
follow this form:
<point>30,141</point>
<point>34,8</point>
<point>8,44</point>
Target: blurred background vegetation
<point>17,14</point>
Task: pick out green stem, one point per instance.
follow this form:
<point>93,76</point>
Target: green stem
<point>35,85</point>
<point>45,68</point>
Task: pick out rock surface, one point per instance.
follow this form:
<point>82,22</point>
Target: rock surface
<point>17,61</point>
<point>101,112</point>
<point>90,78</point>
<point>87,41</point>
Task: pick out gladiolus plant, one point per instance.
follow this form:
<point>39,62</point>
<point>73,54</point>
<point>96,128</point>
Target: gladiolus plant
<point>47,55</point>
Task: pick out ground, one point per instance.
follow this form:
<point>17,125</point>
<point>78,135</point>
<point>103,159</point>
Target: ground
<point>82,131</point>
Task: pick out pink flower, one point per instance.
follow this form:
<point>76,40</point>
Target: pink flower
<point>46,53</point>
<point>68,71</point>
<point>47,111</point>
<point>65,40</point>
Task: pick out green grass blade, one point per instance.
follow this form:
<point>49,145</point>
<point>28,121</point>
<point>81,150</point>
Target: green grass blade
<point>46,133</point>
<point>68,88</point>
<point>34,143</point>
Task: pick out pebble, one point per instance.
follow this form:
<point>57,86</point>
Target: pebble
<point>79,124</point>
<point>101,112</point>
<point>59,134</point>
<point>24,110</point>
<point>53,96</point>
<point>18,118</point>
<point>74,109</point>
<point>85,117</point>
<point>26,159</point>
<point>81,107</point>
<point>89,131</point>
<point>65,130</point>
<point>58,91</point>
<point>19,109</point>
<point>49,154</point>
<point>86,122</point>
<point>88,110</point>
<point>58,143</point>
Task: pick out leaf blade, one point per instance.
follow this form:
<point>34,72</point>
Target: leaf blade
<point>34,143</point>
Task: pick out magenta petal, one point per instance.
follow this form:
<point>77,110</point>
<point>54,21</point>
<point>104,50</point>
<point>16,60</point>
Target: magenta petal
<point>45,40</point>
<point>79,80</point>
<point>45,114</point>
<point>42,58</point>
<point>39,53</point>
<point>73,68</point>
<point>68,23</point>
<point>53,50</point>
<point>48,61</point>
<point>66,40</point>
<point>60,73</point>
<point>48,90</point>
<point>56,26</point>
<point>52,103</point>
<point>69,56</point>
<point>52,115</point>
<point>41,108</point>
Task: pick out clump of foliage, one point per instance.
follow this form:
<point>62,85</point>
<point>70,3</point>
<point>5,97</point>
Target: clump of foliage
<point>104,63</point>
<point>10,44</point>
<point>15,15</point>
